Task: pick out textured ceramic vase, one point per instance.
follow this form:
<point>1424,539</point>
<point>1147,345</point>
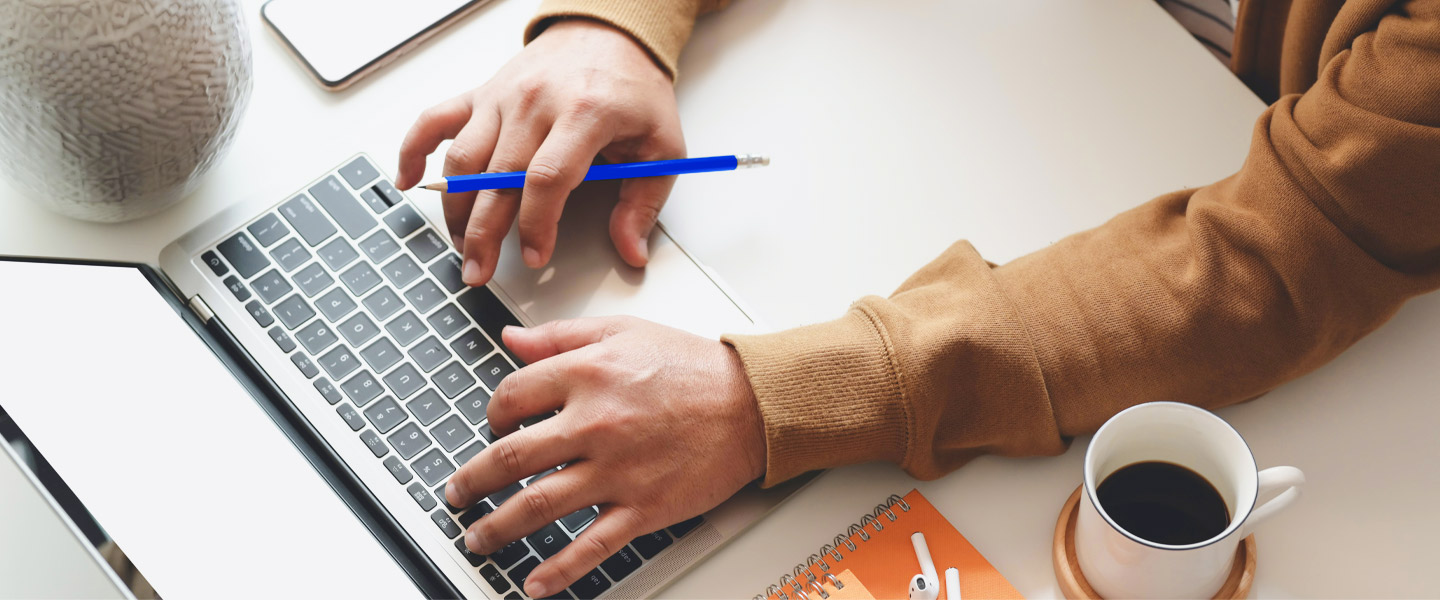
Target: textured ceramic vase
<point>111,110</point>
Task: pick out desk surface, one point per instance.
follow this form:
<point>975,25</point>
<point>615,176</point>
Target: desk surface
<point>1011,124</point>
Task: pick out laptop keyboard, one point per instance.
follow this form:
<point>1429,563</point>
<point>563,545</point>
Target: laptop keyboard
<point>366,299</point>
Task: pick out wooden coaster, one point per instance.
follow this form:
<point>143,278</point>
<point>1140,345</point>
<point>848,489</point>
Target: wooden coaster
<point>1072,581</point>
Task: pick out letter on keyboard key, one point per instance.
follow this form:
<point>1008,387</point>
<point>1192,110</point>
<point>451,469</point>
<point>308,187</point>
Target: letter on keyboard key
<point>494,370</point>
<point>447,270</point>
<point>361,388</point>
<point>489,313</point>
<point>358,329</point>
<point>429,354</point>
<point>398,470</point>
<point>213,261</point>
<point>385,414</point>
<point>313,279</point>
<point>404,381</point>
<point>335,304</point>
<point>381,355</point>
<point>338,253</point>
<point>473,405</point>
<point>452,433</point>
<point>421,496</point>
<point>359,172</point>
<point>383,303</point>
<point>621,564</point>
<point>244,255</point>
<point>268,230</point>
<point>339,362</point>
<point>472,346</point>
<point>433,467</point>
<point>427,407</point>
<point>372,441</point>
<point>591,585</point>
<point>406,328</point>
<point>403,221</point>
<point>453,379</point>
<point>445,523</point>
<point>548,541</point>
<point>290,254</point>
<point>409,440</point>
<point>305,217</point>
<point>293,311</point>
<point>427,245</point>
<point>316,337</point>
<point>343,207</point>
<point>448,321</point>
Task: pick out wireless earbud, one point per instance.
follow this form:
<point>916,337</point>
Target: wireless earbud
<point>926,585</point>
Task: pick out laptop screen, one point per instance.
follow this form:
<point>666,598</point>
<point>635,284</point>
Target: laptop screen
<point>106,393</point>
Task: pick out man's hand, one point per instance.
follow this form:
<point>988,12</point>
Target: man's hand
<point>580,89</point>
<point>656,425</point>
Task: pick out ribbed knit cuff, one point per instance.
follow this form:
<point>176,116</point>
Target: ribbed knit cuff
<point>829,395</point>
<point>662,26</point>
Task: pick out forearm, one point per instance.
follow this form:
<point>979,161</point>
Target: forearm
<point>1208,296</point>
<point>661,26</point>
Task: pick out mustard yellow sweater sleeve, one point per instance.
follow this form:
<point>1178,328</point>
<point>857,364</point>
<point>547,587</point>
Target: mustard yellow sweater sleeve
<point>662,26</point>
<point>1209,296</point>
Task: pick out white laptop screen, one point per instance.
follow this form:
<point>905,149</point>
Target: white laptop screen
<point>169,453</point>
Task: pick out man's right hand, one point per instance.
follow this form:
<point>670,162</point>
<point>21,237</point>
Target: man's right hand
<point>580,89</point>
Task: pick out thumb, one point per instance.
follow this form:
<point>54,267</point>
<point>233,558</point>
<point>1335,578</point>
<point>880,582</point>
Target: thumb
<point>635,216</point>
<point>534,344</point>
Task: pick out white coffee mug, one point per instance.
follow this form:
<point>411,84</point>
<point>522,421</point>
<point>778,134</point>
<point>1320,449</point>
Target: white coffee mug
<point>1119,564</point>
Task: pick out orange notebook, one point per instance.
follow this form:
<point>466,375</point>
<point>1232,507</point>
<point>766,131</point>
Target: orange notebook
<point>875,559</point>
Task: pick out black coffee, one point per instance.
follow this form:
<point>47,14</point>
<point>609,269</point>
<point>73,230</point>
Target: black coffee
<point>1164,503</point>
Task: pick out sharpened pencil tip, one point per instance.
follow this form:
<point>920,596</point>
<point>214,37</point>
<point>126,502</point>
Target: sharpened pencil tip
<point>432,187</point>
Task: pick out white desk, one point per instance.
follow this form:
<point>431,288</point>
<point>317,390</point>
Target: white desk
<point>1010,124</point>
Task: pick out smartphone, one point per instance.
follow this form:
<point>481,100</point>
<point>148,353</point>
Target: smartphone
<point>341,41</point>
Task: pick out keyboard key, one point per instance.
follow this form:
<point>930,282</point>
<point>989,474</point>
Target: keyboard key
<point>307,367</point>
<point>268,230</point>
<point>358,329</point>
<point>243,254</point>
<point>316,337</point>
<point>339,362</point>
<point>337,253</point>
<point>361,388</point>
<point>281,339</point>
<point>305,217</point>
<point>271,286</point>
<point>351,416</point>
<point>406,328</point>
<point>492,576</point>
<point>262,316</point>
<point>313,279</point>
<point>472,346</point>
<point>448,321</point>
<point>213,261</point>
<point>473,405</point>
<point>474,559</point>
<point>487,433</point>
<point>343,207</point>
<point>425,295</point>
<point>579,519</point>
<point>560,595</point>
<point>591,585</point>
<point>548,541</point>
<point>398,470</point>
<point>541,475</point>
<point>652,543</point>
<point>360,279</point>
<point>374,201</point>
<point>237,288</point>
<point>293,311</point>
<point>335,304</point>
<point>504,494</point>
<point>403,220</point>
<point>514,596</point>
<point>359,173</point>
<point>440,493</point>
<point>680,529</point>
<point>372,441</point>
<point>409,441</point>
<point>290,254</point>
<point>421,496</point>
<point>405,381</point>
<point>452,433</point>
<point>388,192</point>
<point>512,553</point>
<point>480,509</point>
<point>401,271</point>
<point>385,414</point>
<point>427,245</point>
<point>489,313</point>
<point>427,407</point>
<point>383,303</point>
<point>447,270</point>
<point>468,453</point>
<point>445,523</point>
<point>429,354</point>
<point>433,467</point>
<point>327,390</point>
<point>494,370</point>
<point>453,379</point>
<point>621,564</point>
<point>379,246</point>
<point>381,355</point>
<point>522,570</point>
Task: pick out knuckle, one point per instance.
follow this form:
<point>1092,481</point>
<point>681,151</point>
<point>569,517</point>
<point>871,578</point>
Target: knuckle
<point>529,92</point>
<point>459,156</point>
<point>508,457</point>
<point>537,503</point>
<point>594,550</point>
<point>543,174</point>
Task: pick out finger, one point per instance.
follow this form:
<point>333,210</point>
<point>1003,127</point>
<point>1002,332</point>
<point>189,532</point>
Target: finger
<point>558,167</point>
<point>542,502</point>
<point>535,390</point>
<point>495,210</point>
<point>534,344</point>
<point>469,154</point>
<point>615,526</point>
<point>438,123</point>
<point>508,460</point>
<point>635,215</point>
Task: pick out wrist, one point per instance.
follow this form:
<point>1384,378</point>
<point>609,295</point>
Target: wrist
<point>600,35</point>
<point>750,433</point>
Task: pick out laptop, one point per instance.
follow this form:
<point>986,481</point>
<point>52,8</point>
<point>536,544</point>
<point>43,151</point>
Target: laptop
<point>276,408</point>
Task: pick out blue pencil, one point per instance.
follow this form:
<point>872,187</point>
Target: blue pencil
<point>656,168</point>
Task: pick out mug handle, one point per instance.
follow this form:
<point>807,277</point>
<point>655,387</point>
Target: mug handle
<point>1283,484</point>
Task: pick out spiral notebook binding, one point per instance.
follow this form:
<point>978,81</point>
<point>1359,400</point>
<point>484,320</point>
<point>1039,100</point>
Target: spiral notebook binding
<point>802,581</point>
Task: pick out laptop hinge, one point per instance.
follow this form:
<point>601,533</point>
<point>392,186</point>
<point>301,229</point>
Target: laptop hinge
<point>200,308</point>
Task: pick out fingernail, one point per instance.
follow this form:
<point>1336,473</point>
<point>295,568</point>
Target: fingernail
<point>450,494</point>
<point>472,272</point>
<point>458,241</point>
<point>536,589</point>
<point>512,329</point>
<point>645,247</point>
<point>472,541</point>
<point>532,257</point>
